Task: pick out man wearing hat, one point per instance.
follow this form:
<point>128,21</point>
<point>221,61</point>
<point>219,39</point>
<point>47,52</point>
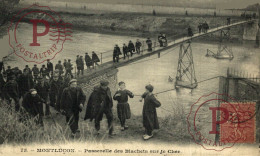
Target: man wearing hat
<point>55,85</point>
<point>125,50</point>
<point>138,45</point>
<point>42,88</point>
<point>59,67</point>
<point>131,47</point>
<point>36,72</point>
<point>102,103</point>
<point>72,103</point>
<point>49,67</point>
<point>88,61</point>
<point>68,68</point>
<point>116,53</point>
<point>149,44</point>
<point>11,91</point>
<point>150,120</point>
<point>32,103</point>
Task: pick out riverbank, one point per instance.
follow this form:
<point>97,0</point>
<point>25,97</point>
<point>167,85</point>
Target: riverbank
<point>142,24</point>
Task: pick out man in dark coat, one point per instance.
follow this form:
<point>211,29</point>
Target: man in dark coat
<point>73,100</point>
<point>9,72</point>
<point>80,66</point>
<point>44,71</point>
<point>125,51</point>
<point>55,85</point>
<point>131,47</point>
<point>138,46</point>
<point>100,103</point>
<point>42,88</point>
<point>116,53</point>
<point>59,67</point>
<point>190,33</point>
<point>68,68</point>
<point>149,44</point>
<point>36,72</point>
<point>2,84</point>
<point>95,59</point>
<point>25,82</point>
<point>160,39</point>
<point>1,66</point>
<point>49,67</point>
<point>88,61</point>
<point>27,69</point>
<point>150,120</point>
<point>11,91</point>
<point>65,84</point>
<point>33,105</point>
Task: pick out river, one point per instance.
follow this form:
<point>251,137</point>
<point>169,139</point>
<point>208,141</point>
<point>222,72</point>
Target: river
<point>152,70</point>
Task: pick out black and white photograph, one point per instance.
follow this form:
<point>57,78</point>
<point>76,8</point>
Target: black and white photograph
<point>130,77</point>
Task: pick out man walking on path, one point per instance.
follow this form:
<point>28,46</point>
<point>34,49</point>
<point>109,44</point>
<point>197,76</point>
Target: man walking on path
<point>72,103</point>
<point>125,51</point>
<point>149,44</point>
<point>131,47</point>
<point>116,53</point>
<point>95,59</point>
<point>100,102</point>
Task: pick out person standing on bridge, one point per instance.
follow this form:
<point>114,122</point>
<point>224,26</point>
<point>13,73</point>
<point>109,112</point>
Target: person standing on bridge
<point>150,120</point>
<point>123,108</point>
<point>36,72</point>
<point>131,47</point>
<point>95,59</point>
<point>59,67</point>
<point>88,61</point>
<point>125,51</point>
<point>149,44</point>
<point>138,45</point>
<point>199,27</point>
<point>50,67</point>
<point>190,33</point>
<point>228,20</point>
<point>116,54</point>
<point>160,39</point>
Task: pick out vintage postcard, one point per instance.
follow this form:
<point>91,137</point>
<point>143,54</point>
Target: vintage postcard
<point>130,77</point>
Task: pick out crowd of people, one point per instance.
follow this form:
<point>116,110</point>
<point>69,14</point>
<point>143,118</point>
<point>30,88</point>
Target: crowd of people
<point>32,89</point>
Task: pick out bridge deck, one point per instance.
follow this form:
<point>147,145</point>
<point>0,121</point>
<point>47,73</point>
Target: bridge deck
<point>103,68</point>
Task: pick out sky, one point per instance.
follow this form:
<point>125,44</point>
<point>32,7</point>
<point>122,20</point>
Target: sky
<point>220,4</point>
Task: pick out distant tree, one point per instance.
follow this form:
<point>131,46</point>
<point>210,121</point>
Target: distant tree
<point>6,8</point>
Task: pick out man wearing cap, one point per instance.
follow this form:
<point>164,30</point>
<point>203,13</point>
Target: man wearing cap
<point>68,68</point>
<point>59,67</point>
<point>55,85</point>
<point>36,72</point>
<point>42,87</point>
<point>88,61</point>
<point>25,82</point>
<point>116,53</point>
<point>44,71</point>
<point>80,66</point>
<point>150,120</point>
<point>131,47</point>
<point>138,45</point>
<point>103,104</point>
<point>125,50</point>
<point>49,67</point>
<point>11,91</point>
<point>33,105</point>
<point>149,44</point>
<point>27,69</point>
<point>72,102</point>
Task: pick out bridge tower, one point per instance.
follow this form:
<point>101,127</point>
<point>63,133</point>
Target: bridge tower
<point>186,77</point>
<point>224,51</point>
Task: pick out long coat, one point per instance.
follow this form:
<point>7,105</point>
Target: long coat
<point>88,60</point>
<point>33,105</point>
<point>25,83</point>
<point>71,99</point>
<point>131,46</point>
<point>11,90</point>
<point>95,58</point>
<point>150,120</point>
<point>99,100</point>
